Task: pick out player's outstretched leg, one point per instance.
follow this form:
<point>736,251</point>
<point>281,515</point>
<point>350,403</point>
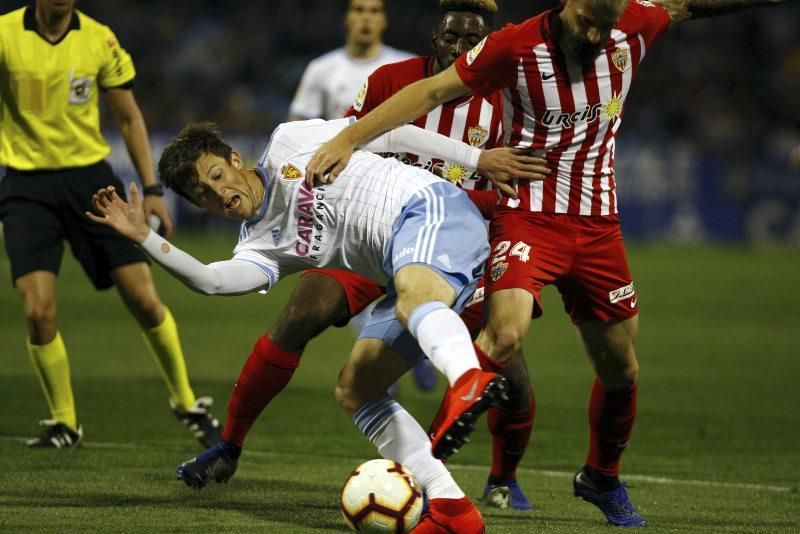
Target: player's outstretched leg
<point>372,366</point>
<point>444,338</point>
<point>218,463</point>
<point>612,501</point>
<point>400,438</point>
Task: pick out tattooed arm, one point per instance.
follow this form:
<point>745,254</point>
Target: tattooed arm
<point>679,10</point>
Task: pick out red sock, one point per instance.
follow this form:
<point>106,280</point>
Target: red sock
<point>487,364</point>
<point>611,417</point>
<point>510,427</point>
<point>511,432</point>
<point>265,373</point>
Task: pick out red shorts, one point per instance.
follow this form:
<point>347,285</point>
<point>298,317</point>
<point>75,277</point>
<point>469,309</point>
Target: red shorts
<point>360,290</point>
<point>583,256</point>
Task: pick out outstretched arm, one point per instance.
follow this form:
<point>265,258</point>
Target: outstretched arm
<point>500,165</point>
<point>232,277</point>
<point>406,105</point>
<point>679,10</point>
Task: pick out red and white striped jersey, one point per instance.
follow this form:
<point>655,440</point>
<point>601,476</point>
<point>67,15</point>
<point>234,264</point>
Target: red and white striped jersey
<point>472,119</point>
<point>566,112</point>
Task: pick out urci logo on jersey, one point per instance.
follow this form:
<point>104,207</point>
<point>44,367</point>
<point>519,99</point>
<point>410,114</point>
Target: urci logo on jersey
<point>611,110</point>
<point>568,120</point>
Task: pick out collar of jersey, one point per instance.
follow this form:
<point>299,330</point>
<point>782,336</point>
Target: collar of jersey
<point>29,23</point>
<point>262,210</point>
<point>547,21</point>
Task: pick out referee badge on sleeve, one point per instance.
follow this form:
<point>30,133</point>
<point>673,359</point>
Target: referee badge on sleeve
<point>362,96</point>
<point>472,54</point>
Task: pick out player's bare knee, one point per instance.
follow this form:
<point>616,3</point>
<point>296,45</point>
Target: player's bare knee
<point>406,305</point>
<point>298,324</point>
<point>619,370</point>
<point>505,340</point>
<point>347,396</point>
<point>147,308</point>
<point>41,317</point>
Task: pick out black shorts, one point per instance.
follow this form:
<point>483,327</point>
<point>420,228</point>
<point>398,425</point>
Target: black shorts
<point>41,209</point>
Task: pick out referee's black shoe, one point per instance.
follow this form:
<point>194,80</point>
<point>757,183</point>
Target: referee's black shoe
<point>56,436</point>
<point>199,419</point>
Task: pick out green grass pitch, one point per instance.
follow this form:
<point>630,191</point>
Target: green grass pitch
<point>716,447</point>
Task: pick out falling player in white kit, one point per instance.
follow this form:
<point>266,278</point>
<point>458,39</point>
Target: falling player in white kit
<point>396,224</point>
<point>332,81</point>
<point>327,89</point>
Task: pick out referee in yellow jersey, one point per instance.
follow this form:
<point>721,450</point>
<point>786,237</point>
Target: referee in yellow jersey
<point>54,61</point>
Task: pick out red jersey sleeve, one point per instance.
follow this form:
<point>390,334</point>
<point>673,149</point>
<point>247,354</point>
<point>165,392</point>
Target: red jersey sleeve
<point>492,64</point>
<point>651,19</point>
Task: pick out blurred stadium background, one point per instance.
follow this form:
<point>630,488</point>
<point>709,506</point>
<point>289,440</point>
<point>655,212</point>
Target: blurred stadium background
<point>704,174</point>
<point>704,152</point>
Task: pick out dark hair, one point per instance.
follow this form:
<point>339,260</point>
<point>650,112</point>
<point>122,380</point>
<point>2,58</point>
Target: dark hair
<point>350,4</point>
<point>177,167</point>
<point>484,8</point>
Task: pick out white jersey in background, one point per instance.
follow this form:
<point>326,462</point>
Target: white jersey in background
<point>347,224</point>
<point>332,81</point>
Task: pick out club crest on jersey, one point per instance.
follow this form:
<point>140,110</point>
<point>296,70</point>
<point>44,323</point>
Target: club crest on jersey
<point>472,54</point>
<point>290,172</point>
<point>362,97</point>
<point>622,293</point>
<point>498,271</point>
<point>477,135</point>
<point>619,57</point>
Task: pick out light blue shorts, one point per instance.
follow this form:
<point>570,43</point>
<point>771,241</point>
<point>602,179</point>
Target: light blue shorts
<point>441,228</point>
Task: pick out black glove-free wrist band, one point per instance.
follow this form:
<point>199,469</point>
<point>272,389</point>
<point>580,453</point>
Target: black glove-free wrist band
<point>155,189</point>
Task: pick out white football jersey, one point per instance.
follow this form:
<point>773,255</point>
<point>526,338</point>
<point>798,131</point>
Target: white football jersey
<point>346,224</point>
<point>332,81</point>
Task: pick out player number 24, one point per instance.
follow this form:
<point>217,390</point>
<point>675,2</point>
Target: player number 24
<point>521,250</point>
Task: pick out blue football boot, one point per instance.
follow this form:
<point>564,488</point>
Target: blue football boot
<point>505,493</point>
<point>614,503</point>
<point>218,462</point>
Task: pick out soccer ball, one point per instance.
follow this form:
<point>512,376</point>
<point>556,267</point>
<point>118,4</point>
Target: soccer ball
<point>381,496</point>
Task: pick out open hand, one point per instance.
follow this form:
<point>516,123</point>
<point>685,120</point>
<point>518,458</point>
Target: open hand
<point>126,218</point>
<point>503,165</point>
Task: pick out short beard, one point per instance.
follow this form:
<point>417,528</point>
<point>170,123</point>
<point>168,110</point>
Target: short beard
<point>584,54</point>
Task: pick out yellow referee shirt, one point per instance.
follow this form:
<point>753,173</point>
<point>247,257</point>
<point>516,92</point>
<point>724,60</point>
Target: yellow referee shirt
<point>49,114</point>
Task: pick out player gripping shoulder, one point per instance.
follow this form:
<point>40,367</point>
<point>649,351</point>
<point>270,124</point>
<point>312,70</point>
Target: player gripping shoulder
<point>398,225</point>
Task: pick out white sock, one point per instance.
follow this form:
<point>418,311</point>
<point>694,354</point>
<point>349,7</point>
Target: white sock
<point>399,437</point>
<point>444,339</point>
